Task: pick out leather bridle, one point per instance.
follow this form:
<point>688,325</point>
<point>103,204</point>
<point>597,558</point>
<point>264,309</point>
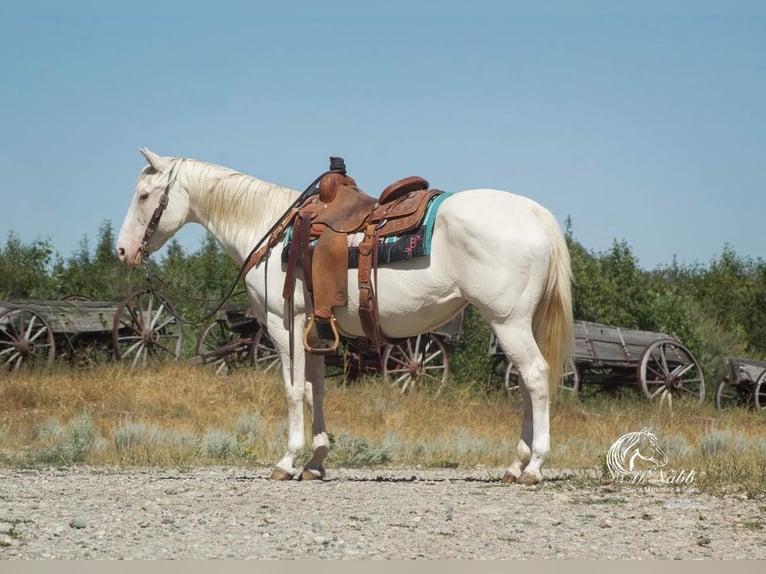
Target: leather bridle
<point>154,221</point>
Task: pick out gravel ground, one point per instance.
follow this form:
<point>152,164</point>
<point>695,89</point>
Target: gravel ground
<point>237,513</point>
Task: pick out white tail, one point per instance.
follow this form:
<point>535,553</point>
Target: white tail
<point>552,323</point>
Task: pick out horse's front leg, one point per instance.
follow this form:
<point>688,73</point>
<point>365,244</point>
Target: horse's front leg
<point>314,395</point>
<point>294,385</point>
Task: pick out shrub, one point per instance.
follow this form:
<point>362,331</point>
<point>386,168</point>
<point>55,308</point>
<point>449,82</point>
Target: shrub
<point>219,445</point>
<point>355,452</point>
<point>72,443</point>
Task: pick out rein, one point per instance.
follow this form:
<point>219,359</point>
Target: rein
<point>336,165</point>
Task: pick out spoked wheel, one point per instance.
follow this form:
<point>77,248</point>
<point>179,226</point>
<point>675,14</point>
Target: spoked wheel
<point>26,339</point>
<point>145,325</point>
<point>224,349</point>
<point>666,366</point>
<point>570,378</point>
<point>759,393</point>
<point>731,396</point>
<point>418,362</point>
<point>264,355</point>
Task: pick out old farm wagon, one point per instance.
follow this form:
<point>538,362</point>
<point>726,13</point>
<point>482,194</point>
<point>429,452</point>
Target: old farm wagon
<point>610,357</point>
<point>34,332</point>
<point>743,385</point>
<point>234,337</point>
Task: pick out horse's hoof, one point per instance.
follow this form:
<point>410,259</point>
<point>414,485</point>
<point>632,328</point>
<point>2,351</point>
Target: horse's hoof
<point>309,474</point>
<point>528,479</point>
<point>280,474</point>
<point>509,478</point>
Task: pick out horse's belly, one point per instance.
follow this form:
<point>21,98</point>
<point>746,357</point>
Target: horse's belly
<point>410,301</point>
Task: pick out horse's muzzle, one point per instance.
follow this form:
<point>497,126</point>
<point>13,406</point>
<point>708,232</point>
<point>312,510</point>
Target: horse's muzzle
<point>134,261</point>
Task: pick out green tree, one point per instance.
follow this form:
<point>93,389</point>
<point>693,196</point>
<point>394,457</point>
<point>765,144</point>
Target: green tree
<point>24,269</point>
<point>98,276</point>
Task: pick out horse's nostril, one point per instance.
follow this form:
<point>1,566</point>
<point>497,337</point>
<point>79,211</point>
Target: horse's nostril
<point>120,252</point>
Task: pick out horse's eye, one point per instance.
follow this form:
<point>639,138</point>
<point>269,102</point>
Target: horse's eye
<point>143,196</point>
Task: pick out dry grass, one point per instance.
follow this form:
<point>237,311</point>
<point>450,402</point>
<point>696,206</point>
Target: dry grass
<point>181,414</point>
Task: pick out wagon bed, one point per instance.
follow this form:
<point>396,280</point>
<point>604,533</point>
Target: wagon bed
<point>67,316</point>
<point>602,345</point>
<point>612,356</point>
<point>34,332</point>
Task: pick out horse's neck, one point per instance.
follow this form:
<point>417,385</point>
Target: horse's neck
<point>237,209</point>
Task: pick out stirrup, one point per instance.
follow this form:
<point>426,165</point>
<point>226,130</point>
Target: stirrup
<point>321,350</point>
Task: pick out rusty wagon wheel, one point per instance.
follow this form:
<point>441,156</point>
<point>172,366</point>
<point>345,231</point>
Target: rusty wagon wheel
<point>666,366</point>
<point>730,395</point>
<point>417,363</point>
<point>263,353</point>
<point>570,378</point>
<point>26,339</point>
<point>224,348</point>
<point>145,326</point>
<point>759,393</point>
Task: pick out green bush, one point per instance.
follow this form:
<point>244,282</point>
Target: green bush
<point>71,444</point>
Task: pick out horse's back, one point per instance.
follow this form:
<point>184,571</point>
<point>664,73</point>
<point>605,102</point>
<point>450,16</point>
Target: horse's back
<point>496,247</point>
<point>496,219</point>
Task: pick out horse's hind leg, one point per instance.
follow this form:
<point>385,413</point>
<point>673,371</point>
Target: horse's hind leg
<point>523,447</point>
<point>534,445</point>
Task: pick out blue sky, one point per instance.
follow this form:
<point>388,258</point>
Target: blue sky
<point>642,122</point>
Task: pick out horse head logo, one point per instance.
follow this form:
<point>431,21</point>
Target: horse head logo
<point>634,452</point>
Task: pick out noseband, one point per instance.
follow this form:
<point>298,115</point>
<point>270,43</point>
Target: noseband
<point>154,221</point>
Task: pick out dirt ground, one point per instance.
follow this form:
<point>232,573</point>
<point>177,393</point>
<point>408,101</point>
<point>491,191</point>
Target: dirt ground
<point>238,513</point>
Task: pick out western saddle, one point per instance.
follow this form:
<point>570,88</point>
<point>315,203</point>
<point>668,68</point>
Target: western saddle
<point>321,226</point>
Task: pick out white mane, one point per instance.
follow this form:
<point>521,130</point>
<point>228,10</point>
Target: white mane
<point>243,203</point>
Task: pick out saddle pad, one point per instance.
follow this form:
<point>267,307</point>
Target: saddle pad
<point>416,243</point>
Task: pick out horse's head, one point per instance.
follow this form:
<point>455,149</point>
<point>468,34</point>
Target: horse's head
<point>160,206</point>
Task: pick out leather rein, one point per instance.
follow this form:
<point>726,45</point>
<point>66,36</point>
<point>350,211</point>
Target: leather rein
<point>248,264</point>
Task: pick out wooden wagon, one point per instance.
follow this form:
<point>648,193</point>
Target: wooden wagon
<point>611,357</point>
<point>35,332</point>
<point>743,385</point>
<point>233,337</point>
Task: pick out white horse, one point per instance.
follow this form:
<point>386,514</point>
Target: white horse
<point>501,252</point>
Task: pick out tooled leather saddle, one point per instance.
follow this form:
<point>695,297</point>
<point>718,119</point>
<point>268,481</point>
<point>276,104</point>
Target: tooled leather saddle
<point>321,226</point>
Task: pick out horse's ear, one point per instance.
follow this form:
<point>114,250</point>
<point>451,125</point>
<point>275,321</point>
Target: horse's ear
<point>157,162</point>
